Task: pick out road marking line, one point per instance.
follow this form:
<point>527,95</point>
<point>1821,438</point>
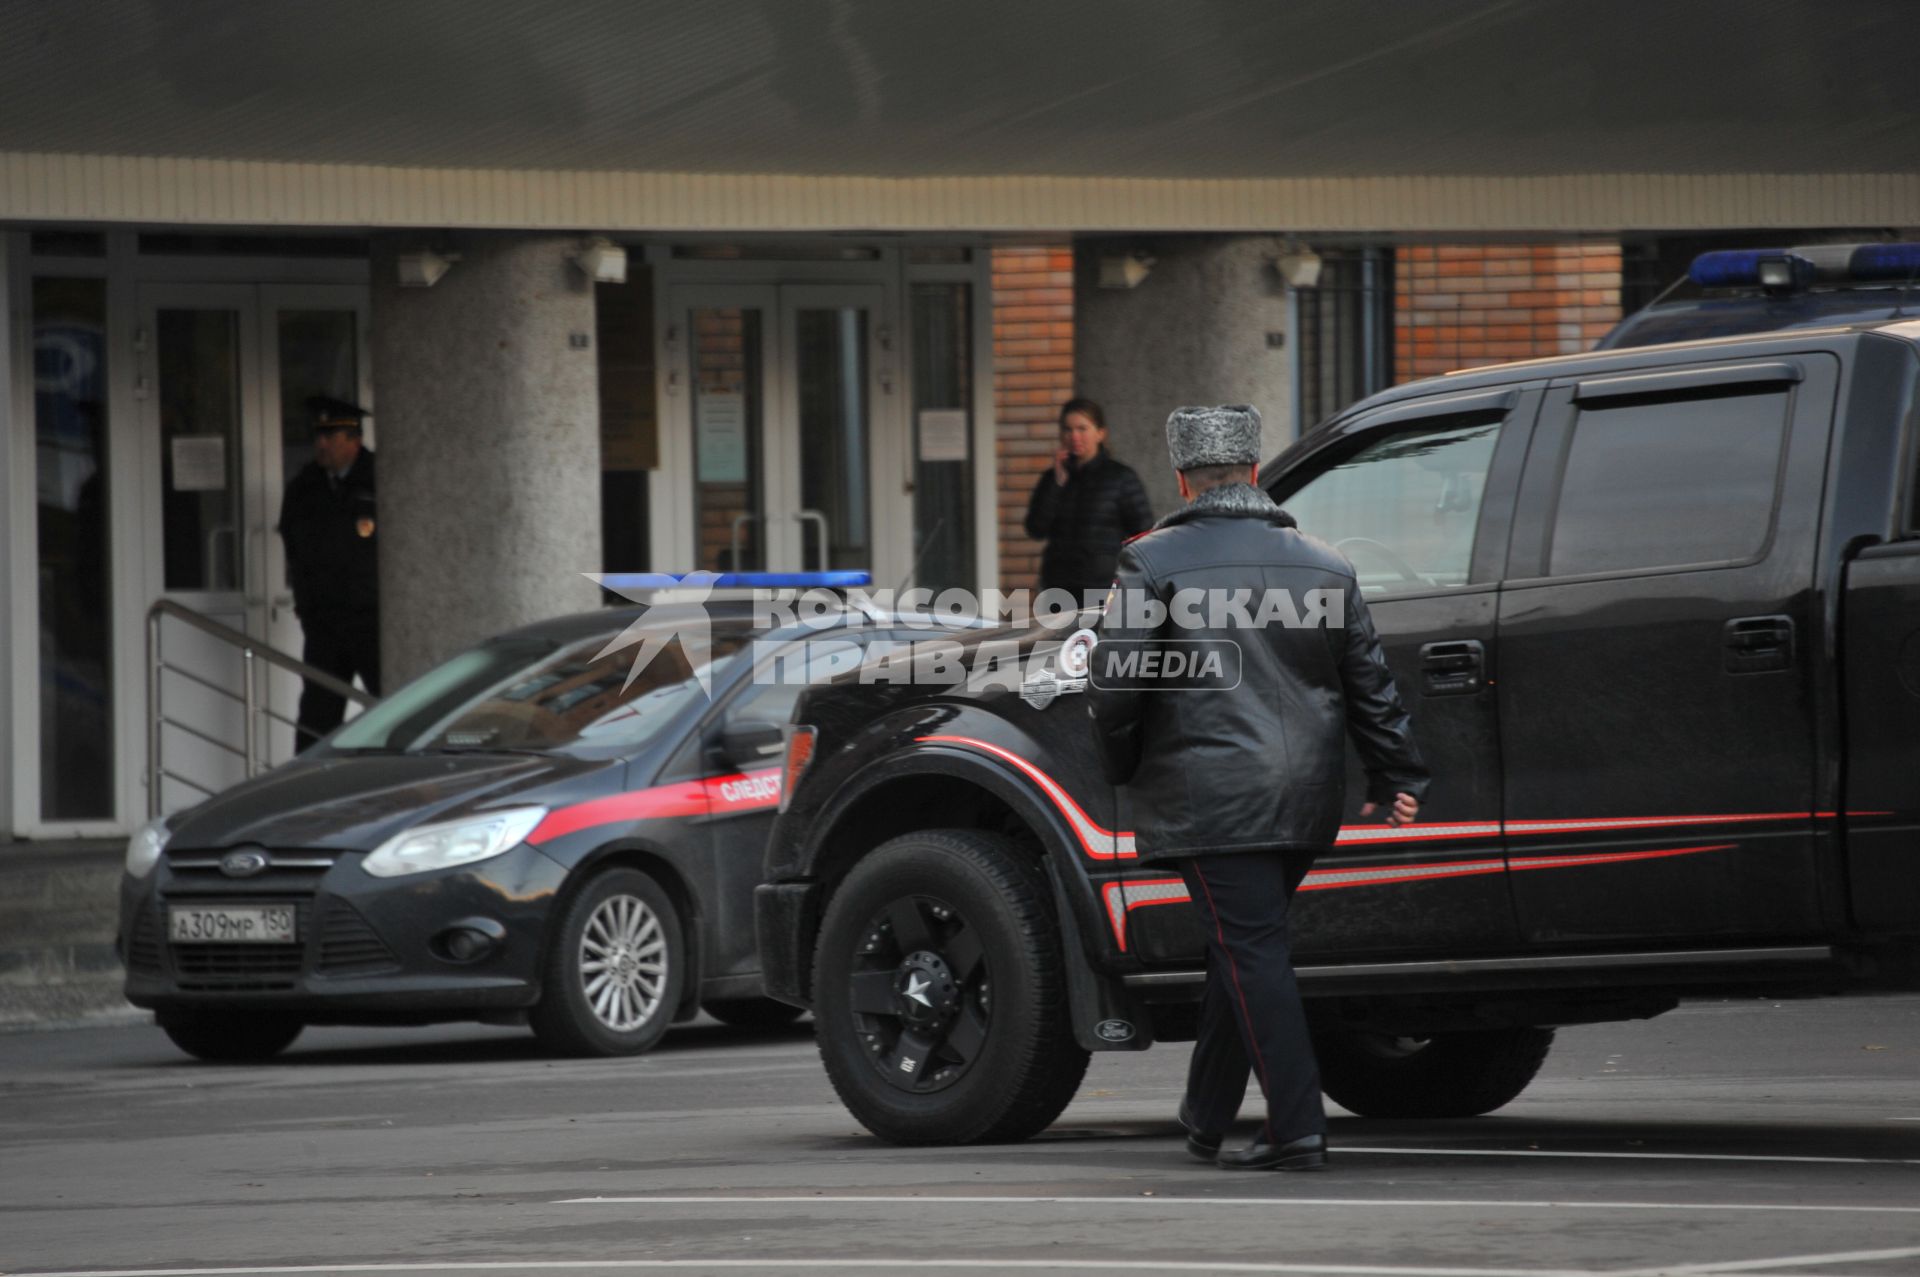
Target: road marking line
<point>1785,1261</point>
<point>1137,1201</point>
<point>1344,1149</point>
<point>899,1265</point>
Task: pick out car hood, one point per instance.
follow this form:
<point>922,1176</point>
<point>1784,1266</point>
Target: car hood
<point>358,803</point>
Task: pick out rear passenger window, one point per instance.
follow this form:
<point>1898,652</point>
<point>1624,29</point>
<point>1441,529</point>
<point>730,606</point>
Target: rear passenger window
<point>1404,508</point>
<point>1669,482</point>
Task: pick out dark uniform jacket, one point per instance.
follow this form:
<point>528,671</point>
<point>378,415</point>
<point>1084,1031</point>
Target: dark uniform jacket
<point>1084,522</point>
<point>1262,766</point>
<point>332,543</point>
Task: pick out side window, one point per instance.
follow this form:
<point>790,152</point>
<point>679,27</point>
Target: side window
<point>1404,508</point>
<point>776,684</point>
<point>1668,482</point>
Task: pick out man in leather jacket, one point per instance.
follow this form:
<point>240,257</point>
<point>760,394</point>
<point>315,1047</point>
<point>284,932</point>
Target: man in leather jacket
<point>1238,776</point>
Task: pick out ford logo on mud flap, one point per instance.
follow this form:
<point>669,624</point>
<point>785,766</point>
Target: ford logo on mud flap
<point>1114,1031</point>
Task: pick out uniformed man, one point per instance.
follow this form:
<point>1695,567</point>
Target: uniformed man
<point>1238,778</point>
<point>328,524</point>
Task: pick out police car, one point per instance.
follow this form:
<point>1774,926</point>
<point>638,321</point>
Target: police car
<point>1756,290</point>
<point>561,826</point>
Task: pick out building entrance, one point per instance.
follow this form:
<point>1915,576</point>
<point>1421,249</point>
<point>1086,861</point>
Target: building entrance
<point>786,411</point>
<point>225,372</point>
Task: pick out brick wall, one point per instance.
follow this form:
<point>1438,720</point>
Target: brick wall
<point>1032,377</point>
<point>1462,305</point>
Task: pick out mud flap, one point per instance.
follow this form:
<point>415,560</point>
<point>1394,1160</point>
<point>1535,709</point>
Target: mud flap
<point>1106,1017</point>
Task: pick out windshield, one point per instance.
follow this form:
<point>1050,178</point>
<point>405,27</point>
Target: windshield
<point>531,694</point>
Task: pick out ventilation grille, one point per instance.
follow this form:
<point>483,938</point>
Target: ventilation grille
<point>242,968</point>
<point>348,945</point>
<point>143,949</point>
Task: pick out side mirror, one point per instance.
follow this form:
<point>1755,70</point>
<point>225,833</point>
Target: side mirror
<point>751,744</point>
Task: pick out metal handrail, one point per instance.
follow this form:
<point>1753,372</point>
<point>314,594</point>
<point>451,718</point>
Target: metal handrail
<point>251,650</point>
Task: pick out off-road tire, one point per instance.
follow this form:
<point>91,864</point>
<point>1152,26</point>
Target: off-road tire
<point>752,1013</point>
<point>231,1037</point>
<point>1025,1065</point>
<point>565,1019</point>
<point>1457,1074</point>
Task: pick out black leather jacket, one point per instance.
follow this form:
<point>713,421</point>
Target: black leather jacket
<point>1083,523</point>
<point>1261,766</point>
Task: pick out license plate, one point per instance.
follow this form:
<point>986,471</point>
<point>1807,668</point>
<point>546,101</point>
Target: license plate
<point>230,924</point>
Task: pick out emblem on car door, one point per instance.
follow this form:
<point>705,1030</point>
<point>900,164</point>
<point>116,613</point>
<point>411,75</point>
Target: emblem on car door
<point>244,863</point>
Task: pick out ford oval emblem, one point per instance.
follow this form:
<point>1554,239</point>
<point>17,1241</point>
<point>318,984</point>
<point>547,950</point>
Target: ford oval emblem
<point>244,863</point>
<point>1114,1031</point>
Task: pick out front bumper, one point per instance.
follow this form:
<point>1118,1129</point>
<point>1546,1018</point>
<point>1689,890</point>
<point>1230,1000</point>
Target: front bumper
<point>366,949</point>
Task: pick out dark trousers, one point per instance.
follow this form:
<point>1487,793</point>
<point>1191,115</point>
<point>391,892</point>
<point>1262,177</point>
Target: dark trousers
<point>1251,1019</point>
<point>343,647</point>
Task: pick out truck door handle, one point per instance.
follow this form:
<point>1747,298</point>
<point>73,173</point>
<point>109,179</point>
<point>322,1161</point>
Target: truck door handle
<point>1452,669</point>
<point>1755,644</point>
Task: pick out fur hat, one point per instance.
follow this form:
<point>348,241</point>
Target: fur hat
<point>1228,435</point>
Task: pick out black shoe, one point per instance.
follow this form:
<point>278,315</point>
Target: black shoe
<point>1308,1153</point>
<point>1201,1144</point>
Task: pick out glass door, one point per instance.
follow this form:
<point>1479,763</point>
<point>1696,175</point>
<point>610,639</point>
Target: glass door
<point>787,393</point>
<point>226,371</point>
<point>312,342</point>
<point>199,424</point>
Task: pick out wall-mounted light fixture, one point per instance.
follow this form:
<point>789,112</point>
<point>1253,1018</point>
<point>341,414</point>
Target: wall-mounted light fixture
<point>424,268</point>
<point>602,261</point>
<point>1126,271</point>
<point>1299,266</point>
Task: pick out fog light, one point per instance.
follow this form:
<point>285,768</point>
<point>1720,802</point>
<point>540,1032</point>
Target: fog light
<point>469,940</point>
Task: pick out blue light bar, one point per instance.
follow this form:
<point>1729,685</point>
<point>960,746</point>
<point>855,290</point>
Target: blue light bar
<point>1885,261</point>
<point>738,580</point>
<point>1736,267</point>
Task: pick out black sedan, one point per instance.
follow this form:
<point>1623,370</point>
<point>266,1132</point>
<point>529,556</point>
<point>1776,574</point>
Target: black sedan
<point>561,827</point>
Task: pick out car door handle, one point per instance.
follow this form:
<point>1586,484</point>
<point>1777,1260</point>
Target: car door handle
<point>1755,644</point>
<point>1453,668</point>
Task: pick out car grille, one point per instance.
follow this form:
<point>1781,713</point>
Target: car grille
<point>348,945</point>
<point>242,968</point>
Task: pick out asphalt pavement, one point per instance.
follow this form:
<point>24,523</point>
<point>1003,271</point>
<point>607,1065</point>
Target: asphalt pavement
<point>1728,1138</point>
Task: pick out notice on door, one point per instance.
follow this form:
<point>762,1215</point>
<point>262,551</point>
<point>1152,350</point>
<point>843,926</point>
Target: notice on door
<point>720,433</point>
<point>943,434</point>
<point>199,463</point>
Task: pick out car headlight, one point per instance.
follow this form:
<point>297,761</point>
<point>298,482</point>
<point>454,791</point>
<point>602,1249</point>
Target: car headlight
<point>453,842</point>
<point>144,848</point>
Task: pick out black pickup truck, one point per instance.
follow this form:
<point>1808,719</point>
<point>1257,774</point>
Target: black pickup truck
<point>1656,613</point>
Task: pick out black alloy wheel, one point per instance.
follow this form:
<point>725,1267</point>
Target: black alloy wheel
<point>1459,1073</point>
<point>940,987</point>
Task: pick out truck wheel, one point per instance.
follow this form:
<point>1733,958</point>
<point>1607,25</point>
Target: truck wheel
<point>1460,1074</point>
<point>940,993</point>
<point>613,972</point>
<point>231,1037</point>
<point>752,1013</point>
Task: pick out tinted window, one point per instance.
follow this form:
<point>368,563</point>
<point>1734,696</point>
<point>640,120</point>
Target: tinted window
<point>1668,482</point>
<point>526,695</point>
<point>1403,509</point>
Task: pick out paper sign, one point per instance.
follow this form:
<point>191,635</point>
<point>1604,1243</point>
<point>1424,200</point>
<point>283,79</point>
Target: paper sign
<point>721,435</point>
<point>943,434</point>
<point>199,463</point>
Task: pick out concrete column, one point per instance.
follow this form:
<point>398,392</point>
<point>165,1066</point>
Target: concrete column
<point>486,415</point>
<point>1195,331</point>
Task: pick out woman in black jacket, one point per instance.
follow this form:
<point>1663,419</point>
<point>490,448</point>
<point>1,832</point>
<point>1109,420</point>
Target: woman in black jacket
<point>1085,506</point>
